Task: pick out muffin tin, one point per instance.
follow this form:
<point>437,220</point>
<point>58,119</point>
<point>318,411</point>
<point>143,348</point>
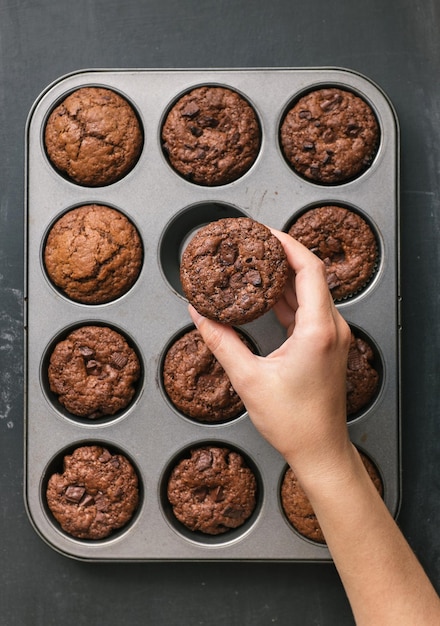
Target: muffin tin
<point>167,209</point>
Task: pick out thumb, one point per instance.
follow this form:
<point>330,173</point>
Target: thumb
<point>227,347</point>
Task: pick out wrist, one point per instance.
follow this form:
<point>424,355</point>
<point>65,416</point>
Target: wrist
<point>334,468</point>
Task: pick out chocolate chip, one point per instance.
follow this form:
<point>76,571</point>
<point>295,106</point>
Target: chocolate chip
<point>232,512</point>
<point>227,253</point>
<point>190,110</point>
<point>105,456</point>
<point>101,503</point>
<point>118,360</point>
<point>331,103</point>
<point>204,460</point>
<point>86,351</point>
<point>74,493</point>
<point>304,115</point>
<point>333,281</point>
<point>353,130</point>
<point>253,277</point>
<point>196,131</point>
<point>200,492</point>
<point>91,364</point>
<point>87,500</point>
<point>218,494</point>
<point>208,121</point>
<point>308,146</point>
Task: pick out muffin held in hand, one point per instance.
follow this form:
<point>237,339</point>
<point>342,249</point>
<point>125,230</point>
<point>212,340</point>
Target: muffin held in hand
<point>93,372</point>
<point>233,270</point>
<point>93,254</point>
<point>345,243</point>
<point>196,383</point>
<point>330,136</point>
<point>298,509</point>
<point>212,491</point>
<point>96,493</point>
<point>93,137</point>
<point>211,136</point>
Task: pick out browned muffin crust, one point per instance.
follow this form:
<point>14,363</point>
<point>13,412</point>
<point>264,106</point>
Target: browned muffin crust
<point>233,270</point>
<point>196,383</point>
<point>93,136</point>
<point>330,136</point>
<point>344,241</point>
<point>96,494</point>
<point>93,254</point>
<point>212,491</point>
<point>211,136</point>
<point>93,372</point>
<point>298,509</point>
<point>362,378</point>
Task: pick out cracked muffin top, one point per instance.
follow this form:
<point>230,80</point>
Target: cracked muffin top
<point>93,137</point>
<point>93,254</point>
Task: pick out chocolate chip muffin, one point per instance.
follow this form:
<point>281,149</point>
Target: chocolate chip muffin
<point>211,136</point>
<point>362,377</point>
<point>298,509</point>
<point>330,136</point>
<point>212,491</point>
<point>96,494</point>
<point>93,137</point>
<point>93,372</point>
<point>196,383</point>
<point>233,270</point>
<point>93,253</point>
<point>344,241</point>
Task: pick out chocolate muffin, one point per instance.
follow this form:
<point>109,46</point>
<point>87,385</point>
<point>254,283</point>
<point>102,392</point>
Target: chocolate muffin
<point>93,372</point>
<point>233,270</point>
<point>93,254</point>
<point>344,241</point>
<point>298,509</point>
<point>211,136</point>
<point>362,377</point>
<point>330,136</point>
<point>96,494</point>
<point>93,137</point>
<point>196,383</point>
<point>212,491</point>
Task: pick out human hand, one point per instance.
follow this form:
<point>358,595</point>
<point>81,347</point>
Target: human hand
<point>295,396</point>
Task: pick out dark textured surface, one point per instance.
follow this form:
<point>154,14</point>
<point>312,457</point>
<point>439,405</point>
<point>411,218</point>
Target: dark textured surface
<point>396,44</point>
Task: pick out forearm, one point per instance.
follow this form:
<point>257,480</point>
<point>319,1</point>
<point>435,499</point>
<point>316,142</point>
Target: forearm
<point>383,579</point>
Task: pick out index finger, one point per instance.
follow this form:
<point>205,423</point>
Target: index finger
<point>313,296</point>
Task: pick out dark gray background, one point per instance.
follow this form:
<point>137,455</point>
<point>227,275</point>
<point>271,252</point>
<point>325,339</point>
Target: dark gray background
<point>394,42</point>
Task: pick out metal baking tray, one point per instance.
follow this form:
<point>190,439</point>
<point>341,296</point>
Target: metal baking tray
<point>166,209</point>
